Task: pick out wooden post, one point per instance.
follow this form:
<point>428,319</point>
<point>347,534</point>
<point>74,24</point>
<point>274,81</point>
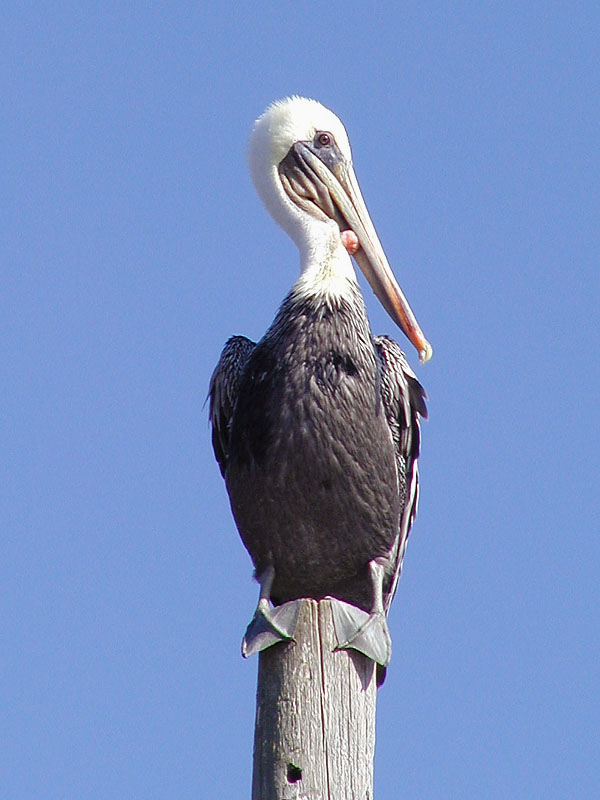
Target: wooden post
<point>315,716</point>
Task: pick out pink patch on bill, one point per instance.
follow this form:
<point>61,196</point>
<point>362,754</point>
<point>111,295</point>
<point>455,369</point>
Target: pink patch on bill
<point>350,241</point>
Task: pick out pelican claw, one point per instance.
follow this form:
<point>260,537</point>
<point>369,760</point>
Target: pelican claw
<point>270,626</point>
<point>355,629</point>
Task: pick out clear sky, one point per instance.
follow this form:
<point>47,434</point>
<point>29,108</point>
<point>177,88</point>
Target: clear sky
<point>132,245</point>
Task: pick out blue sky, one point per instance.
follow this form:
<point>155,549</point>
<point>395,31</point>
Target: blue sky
<point>133,245</point>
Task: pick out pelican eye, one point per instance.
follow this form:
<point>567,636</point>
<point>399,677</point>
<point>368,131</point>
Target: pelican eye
<point>324,139</point>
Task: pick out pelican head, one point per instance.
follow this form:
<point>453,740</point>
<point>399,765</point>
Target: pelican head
<point>301,164</point>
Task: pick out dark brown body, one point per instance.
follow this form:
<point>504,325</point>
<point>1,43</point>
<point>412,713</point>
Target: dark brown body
<point>308,430</point>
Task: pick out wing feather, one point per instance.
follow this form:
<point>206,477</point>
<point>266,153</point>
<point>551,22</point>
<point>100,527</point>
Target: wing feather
<point>223,393</point>
<point>403,399</point>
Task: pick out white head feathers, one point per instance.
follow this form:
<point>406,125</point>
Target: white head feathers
<point>284,123</point>
<point>291,120</point>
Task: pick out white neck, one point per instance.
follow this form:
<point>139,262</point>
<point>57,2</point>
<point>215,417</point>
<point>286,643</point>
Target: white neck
<point>326,267</point>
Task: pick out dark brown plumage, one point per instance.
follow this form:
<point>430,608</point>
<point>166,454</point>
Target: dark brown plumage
<point>316,433</point>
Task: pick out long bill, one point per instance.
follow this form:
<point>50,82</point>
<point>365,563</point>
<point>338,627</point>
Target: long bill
<point>345,193</point>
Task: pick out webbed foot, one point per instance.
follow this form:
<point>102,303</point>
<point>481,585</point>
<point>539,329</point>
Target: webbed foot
<point>270,626</point>
<point>355,629</point>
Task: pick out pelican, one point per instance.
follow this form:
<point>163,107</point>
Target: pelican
<point>316,427</point>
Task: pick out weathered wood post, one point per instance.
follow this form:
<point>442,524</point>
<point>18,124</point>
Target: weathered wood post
<point>315,716</point>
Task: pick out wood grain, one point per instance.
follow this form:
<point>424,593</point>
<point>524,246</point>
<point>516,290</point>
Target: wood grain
<point>315,716</point>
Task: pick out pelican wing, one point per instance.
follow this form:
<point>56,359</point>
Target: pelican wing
<point>223,393</point>
<point>403,399</point>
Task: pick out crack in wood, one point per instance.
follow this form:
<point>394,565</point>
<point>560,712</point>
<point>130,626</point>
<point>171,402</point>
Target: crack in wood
<point>315,716</point>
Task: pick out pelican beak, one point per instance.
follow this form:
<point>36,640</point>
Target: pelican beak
<point>343,202</point>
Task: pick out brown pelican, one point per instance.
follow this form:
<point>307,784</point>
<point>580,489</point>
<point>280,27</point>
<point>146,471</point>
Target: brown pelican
<point>316,427</point>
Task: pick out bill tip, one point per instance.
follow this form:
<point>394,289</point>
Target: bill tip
<point>425,353</point>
